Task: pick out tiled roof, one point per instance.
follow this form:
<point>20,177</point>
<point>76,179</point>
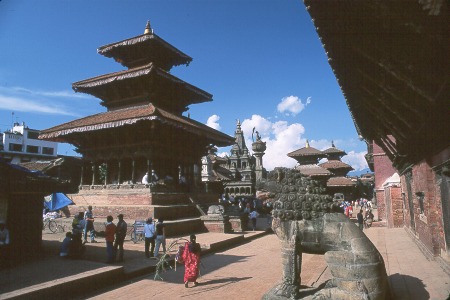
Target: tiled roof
<point>37,165</point>
<point>340,181</point>
<point>306,151</point>
<point>156,49</point>
<point>335,164</point>
<point>334,150</point>
<point>313,170</point>
<point>90,85</point>
<point>128,116</point>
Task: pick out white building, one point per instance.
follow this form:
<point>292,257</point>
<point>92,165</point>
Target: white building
<point>21,144</point>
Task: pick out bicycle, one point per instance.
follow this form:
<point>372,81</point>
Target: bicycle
<point>51,224</point>
<point>136,231</point>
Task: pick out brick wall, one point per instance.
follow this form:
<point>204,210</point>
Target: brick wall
<point>394,205</point>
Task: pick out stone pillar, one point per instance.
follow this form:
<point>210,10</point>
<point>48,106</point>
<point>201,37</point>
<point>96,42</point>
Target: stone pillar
<point>258,148</point>
<point>94,173</point>
<point>106,173</point>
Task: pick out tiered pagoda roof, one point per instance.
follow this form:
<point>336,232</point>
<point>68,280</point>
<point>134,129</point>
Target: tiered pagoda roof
<point>334,153</point>
<point>144,49</point>
<point>145,92</point>
<point>307,155</point>
<point>340,181</point>
<point>132,115</point>
<point>313,170</point>
<point>337,167</point>
<point>143,85</point>
<point>149,59</point>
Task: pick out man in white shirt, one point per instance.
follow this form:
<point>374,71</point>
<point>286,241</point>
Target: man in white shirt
<point>145,178</point>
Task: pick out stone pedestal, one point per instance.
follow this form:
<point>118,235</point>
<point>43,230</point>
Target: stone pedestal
<point>217,223</point>
<point>216,220</point>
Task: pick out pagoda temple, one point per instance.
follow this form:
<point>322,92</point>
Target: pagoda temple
<point>338,182</point>
<point>307,158</point>
<point>142,130</point>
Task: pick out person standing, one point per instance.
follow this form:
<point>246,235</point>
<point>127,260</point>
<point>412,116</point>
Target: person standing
<point>89,225</point>
<point>160,237</point>
<point>253,215</point>
<point>191,258</point>
<point>149,234</point>
<point>360,218</point>
<point>110,230</point>
<point>121,232</point>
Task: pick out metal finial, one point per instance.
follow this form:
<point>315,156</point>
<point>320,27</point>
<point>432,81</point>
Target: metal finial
<point>307,144</point>
<point>148,28</point>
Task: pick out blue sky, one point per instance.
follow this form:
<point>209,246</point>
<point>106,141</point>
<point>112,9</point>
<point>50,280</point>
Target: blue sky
<point>261,60</point>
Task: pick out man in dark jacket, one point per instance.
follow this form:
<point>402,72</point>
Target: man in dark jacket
<point>121,232</point>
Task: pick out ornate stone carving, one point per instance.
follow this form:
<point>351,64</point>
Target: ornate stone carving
<point>306,221</point>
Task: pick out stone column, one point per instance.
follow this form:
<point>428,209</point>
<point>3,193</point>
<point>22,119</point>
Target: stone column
<point>106,173</point>
<point>94,173</point>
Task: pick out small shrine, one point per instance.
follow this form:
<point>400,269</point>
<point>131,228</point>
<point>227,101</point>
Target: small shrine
<point>143,130</point>
<point>307,158</point>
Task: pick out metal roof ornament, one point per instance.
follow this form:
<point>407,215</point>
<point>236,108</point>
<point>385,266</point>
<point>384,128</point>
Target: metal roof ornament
<point>307,144</point>
<point>148,28</point>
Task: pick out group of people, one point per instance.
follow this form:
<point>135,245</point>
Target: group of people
<point>155,237</point>
<point>154,233</point>
<point>365,220</point>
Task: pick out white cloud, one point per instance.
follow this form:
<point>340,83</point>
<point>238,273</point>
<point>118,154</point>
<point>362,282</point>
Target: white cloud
<point>213,122</point>
<point>19,104</point>
<point>22,90</point>
<point>292,105</point>
<point>282,138</point>
<point>356,159</point>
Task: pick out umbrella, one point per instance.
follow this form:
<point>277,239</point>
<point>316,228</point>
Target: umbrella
<point>57,201</point>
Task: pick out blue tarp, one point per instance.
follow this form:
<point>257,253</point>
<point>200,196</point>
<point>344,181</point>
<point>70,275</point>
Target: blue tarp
<point>56,201</point>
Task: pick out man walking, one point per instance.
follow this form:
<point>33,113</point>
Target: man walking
<point>360,218</point>
<point>121,232</point>
<point>89,225</point>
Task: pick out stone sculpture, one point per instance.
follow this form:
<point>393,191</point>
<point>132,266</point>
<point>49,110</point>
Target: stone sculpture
<point>306,220</point>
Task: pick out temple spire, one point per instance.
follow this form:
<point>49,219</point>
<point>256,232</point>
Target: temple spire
<point>148,28</point>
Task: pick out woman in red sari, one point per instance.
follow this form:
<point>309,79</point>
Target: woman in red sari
<point>191,258</point>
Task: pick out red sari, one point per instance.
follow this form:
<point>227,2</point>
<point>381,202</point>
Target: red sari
<point>191,258</point>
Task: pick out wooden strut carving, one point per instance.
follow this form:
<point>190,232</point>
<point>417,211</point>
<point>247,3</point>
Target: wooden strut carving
<point>306,220</point>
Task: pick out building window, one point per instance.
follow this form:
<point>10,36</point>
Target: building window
<point>33,135</point>
<point>47,150</point>
<point>32,149</point>
<point>15,147</point>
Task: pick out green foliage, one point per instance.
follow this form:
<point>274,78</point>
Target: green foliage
<point>164,261</point>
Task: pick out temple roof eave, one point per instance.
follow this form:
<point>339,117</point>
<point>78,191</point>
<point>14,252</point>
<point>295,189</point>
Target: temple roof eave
<point>130,116</point>
<point>113,50</point>
<point>95,86</point>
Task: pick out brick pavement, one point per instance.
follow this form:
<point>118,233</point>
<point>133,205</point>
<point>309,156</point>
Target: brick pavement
<point>245,272</point>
